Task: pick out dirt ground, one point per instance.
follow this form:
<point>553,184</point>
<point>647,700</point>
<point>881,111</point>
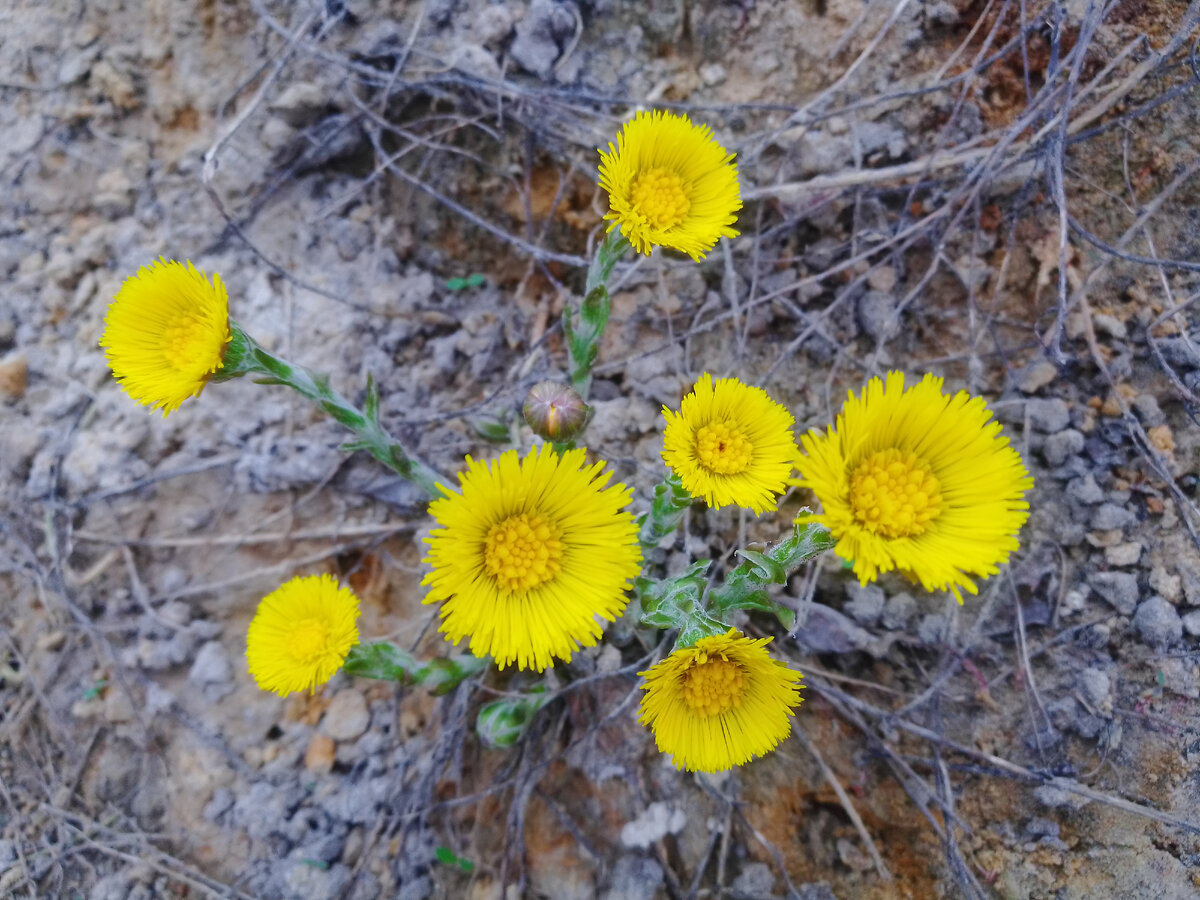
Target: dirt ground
<point>1004,193</point>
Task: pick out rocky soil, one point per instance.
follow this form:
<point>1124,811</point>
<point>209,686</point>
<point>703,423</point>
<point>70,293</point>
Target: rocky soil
<point>1001,193</point>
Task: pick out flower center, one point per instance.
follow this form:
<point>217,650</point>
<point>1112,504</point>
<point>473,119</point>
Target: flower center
<point>523,551</point>
<point>893,494</point>
<point>722,449</point>
<point>659,196</point>
<point>308,640</point>
<point>713,686</point>
<point>187,344</point>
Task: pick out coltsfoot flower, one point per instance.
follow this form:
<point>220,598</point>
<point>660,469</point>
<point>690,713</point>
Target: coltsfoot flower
<point>919,482</point>
<point>529,553</point>
<point>165,333</point>
<point>670,183</point>
<point>730,443</point>
<point>301,633</point>
<point>720,703</point>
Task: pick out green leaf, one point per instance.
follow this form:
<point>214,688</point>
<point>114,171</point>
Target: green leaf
<point>94,691</point>
<point>371,403</point>
<point>474,280</point>
<point>272,364</point>
<point>446,855</point>
<point>495,430</point>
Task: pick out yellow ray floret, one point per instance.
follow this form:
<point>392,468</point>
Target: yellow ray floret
<point>671,184</point>
<point>917,481</point>
<point>529,553</point>
<point>731,444</point>
<point>720,703</point>
<point>165,333</point>
<point>301,634</point>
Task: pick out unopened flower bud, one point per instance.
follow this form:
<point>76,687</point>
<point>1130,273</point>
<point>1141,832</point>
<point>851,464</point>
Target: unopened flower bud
<point>501,722</point>
<point>555,411</point>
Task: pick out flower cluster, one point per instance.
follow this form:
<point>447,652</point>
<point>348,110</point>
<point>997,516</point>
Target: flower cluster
<point>531,554</point>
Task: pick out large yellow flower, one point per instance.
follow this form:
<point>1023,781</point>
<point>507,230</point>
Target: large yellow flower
<point>529,553</point>
<point>917,481</point>
<point>720,703</point>
<point>301,634</point>
<point>670,183</point>
<point>165,333</point>
<point>730,444</point>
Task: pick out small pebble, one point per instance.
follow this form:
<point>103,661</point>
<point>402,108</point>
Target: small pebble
<point>1111,516</point>
<point>1191,623</point>
<point>1094,686</point>
<point>1036,376</point>
<point>321,753</point>
<point>1060,447</point>
<point>1123,554</point>
<point>347,716</point>
<point>1158,623</point>
<point>899,611</point>
<point>1118,588</point>
<point>1048,416</point>
<point>1085,490</point>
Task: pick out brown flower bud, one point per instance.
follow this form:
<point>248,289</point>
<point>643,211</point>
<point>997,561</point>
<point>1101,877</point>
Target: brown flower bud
<point>555,411</point>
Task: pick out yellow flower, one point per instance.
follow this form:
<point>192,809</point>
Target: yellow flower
<point>301,634</point>
<point>720,703</point>
<point>730,444</point>
<point>670,183</point>
<point>528,554</point>
<point>919,482</point>
<point>165,333</point>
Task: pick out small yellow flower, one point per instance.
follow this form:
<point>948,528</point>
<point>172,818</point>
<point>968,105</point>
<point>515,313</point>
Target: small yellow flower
<point>529,554</point>
<point>670,183</point>
<point>165,333</point>
<point>720,703</point>
<point>919,482</point>
<point>730,444</point>
<point>301,634</point>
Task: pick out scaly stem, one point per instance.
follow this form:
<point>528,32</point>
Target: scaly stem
<point>585,328</point>
<point>388,662</point>
<point>670,502</point>
<point>244,356</point>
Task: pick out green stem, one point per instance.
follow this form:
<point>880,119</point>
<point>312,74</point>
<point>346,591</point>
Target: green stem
<point>388,662</point>
<point>670,502</point>
<point>245,356</point>
<point>584,328</point>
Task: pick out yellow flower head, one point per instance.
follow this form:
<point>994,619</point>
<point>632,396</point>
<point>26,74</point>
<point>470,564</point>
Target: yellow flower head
<point>165,333</point>
<point>720,703</point>
<point>919,482</point>
<point>670,183</point>
<point>301,634</point>
<point>730,444</point>
<point>529,553</point>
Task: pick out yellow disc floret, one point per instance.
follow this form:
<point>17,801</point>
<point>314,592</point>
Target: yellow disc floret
<point>713,686</point>
<point>523,551</point>
<point>723,449</point>
<point>894,494</point>
<point>660,197</point>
